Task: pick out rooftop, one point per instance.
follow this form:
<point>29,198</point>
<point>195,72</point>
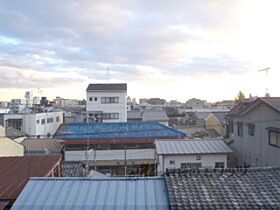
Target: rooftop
<point>94,193</point>
<point>15,172</point>
<point>192,147</point>
<point>153,115</point>
<point>42,145</point>
<point>257,188</point>
<point>107,87</point>
<point>128,130</point>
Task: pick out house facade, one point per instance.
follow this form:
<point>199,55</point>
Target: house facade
<point>106,103</point>
<point>191,154</point>
<point>255,132</point>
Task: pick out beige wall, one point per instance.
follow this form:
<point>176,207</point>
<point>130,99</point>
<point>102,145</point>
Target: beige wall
<point>211,122</point>
<point>10,148</point>
<point>2,131</point>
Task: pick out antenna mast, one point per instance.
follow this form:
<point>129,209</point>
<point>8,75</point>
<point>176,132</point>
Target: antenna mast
<point>266,71</point>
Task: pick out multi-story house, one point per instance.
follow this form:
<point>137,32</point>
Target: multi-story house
<point>106,103</point>
<point>254,129</point>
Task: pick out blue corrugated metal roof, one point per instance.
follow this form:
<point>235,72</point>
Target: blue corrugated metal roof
<point>116,130</point>
<point>94,193</point>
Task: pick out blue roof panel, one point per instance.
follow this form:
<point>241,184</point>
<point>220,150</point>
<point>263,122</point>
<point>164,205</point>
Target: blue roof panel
<point>94,193</point>
<point>116,131</point>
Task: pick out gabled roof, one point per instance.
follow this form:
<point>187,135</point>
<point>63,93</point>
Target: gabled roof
<point>15,172</point>
<point>224,188</point>
<point>202,115</point>
<point>94,193</point>
<point>107,87</point>
<point>188,147</point>
<point>244,107</point>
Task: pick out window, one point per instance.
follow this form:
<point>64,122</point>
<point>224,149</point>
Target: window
<point>251,129</point>
<point>171,162</point>
<point>49,120</point>
<point>109,100</point>
<point>219,165</point>
<point>95,98</point>
<point>90,98</point>
<point>198,157</point>
<point>57,119</point>
<point>43,121</point>
<point>274,138</point>
<point>240,129</point>
<point>107,116</point>
<point>191,165</point>
<point>38,121</point>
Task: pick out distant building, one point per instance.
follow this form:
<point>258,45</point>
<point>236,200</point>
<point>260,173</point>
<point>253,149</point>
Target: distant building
<point>58,101</point>
<point>196,103</point>
<point>225,104</point>
<point>155,116</point>
<point>35,124</point>
<point>191,154</point>
<point>254,130</point>
<point>106,102</point>
<point>115,148</point>
<point>17,105</point>
<point>16,171</point>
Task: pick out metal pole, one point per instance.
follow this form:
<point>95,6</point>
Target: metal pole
<point>125,166</point>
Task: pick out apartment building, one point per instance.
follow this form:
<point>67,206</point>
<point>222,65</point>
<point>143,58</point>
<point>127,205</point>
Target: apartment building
<point>106,103</point>
<point>254,130</point>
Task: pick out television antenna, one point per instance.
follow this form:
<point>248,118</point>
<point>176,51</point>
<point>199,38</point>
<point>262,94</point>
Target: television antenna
<point>266,72</point>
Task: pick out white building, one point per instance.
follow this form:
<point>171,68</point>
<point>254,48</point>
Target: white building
<point>35,124</point>
<point>106,102</point>
<point>191,154</point>
<point>17,104</point>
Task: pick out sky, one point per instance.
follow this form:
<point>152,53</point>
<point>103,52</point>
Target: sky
<point>177,50</point>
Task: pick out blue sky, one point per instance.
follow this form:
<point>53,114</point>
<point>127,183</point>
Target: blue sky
<point>169,49</point>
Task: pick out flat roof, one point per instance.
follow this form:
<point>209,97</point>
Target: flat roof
<point>94,193</point>
<point>15,172</point>
<point>191,147</point>
<point>113,131</point>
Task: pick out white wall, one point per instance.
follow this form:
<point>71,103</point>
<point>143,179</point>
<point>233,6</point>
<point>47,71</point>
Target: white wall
<point>97,106</point>
<point>131,154</point>
<point>207,160</point>
<point>33,128</point>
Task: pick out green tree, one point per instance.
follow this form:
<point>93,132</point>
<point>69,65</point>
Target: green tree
<point>240,97</point>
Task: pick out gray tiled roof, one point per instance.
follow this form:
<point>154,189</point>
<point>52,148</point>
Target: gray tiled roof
<point>191,147</point>
<point>152,115</point>
<point>107,87</point>
<point>257,188</point>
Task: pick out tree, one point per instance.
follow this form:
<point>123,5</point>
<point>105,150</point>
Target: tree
<point>240,97</point>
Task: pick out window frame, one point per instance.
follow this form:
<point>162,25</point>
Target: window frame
<point>172,162</point>
<point>277,143</point>
<point>251,129</point>
<point>240,129</point>
<point>217,163</point>
<point>109,100</point>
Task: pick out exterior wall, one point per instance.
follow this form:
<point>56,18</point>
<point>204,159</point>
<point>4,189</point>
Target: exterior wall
<point>32,123</point>
<point>2,132</point>
<point>97,106</point>
<point>10,148</point>
<point>211,122</point>
<point>255,150</point>
<point>131,154</point>
<point>207,161</point>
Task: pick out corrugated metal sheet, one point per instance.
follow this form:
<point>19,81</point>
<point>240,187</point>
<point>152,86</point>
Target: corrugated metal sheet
<point>94,193</point>
<point>42,146</point>
<point>192,147</point>
<point>131,130</point>
<point>15,172</point>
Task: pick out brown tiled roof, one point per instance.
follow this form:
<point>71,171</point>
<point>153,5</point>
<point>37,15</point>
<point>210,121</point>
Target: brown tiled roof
<point>15,172</point>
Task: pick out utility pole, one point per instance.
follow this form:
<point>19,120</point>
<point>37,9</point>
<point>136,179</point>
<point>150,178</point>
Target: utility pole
<point>125,165</point>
